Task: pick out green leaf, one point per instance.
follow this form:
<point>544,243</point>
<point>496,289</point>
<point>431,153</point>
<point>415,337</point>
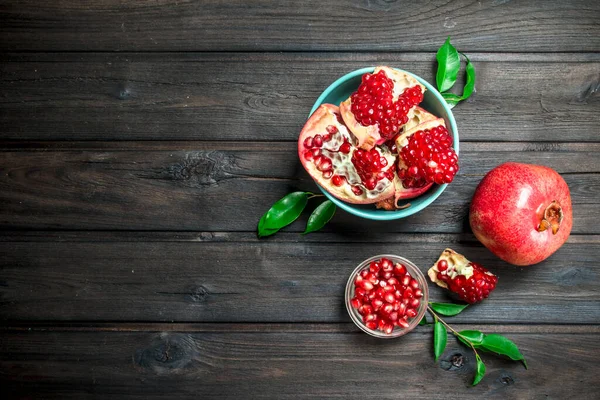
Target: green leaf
<point>423,321</point>
<point>448,66</point>
<point>320,216</point>
<point>440,336</point>
<point>480,371</point>
<point>262,231</point>
<point>284,211</point>
<point>503,346</point>
<point>453,99</point>
<point>448,309</point>
<point>470,83</point>
<point>475,337</point>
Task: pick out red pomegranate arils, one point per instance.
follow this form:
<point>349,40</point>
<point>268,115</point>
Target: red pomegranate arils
<point>386,295</point>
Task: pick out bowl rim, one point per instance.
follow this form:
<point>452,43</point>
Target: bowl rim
<point>414,270</point>
<point>431,195</point>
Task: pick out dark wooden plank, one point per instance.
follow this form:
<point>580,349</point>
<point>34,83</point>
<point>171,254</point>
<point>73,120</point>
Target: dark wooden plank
<point>267,97</point>
<point>100,277</point>
<point>228,186</point>
<point>259,25</point>
<point>281,364</point>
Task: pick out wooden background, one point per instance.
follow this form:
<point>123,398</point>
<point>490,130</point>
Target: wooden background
<point>141,141</point>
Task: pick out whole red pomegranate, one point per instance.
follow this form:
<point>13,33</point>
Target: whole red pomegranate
<point>522,212</point>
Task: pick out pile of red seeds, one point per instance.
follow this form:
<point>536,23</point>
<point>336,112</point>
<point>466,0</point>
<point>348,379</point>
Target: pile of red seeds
<point>429,157</point>
<point>370,167</point>
<point>386,296</point>
<point>373,103</point>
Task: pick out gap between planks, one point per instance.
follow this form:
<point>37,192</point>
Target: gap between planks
<point>253,327</point>
<point>320,55</point>
<point>267,146</point>
<point>241,236</point>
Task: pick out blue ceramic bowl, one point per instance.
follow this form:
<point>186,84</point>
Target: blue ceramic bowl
<point>433,102</point>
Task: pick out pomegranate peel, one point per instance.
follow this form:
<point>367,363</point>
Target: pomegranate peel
<point>469,280</point>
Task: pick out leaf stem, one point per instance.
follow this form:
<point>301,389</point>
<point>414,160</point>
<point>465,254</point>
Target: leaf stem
<point>312,196</point>
<point>454,332</point>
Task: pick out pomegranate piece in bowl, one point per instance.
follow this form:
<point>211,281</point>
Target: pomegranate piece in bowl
<point>386,296</point>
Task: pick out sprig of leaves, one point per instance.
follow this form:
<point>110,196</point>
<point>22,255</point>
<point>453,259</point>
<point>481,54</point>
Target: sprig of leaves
<point>448,59</point>
<point>477,340</point>
<point>287,209</point>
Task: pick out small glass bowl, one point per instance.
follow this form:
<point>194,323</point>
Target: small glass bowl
<point>398,331</point>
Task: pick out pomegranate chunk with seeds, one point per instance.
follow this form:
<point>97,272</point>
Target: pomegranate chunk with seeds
<point>383,103</point>
<point>469,280</point>
<point>385,295</point>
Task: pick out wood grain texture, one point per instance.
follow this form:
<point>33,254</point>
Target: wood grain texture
<point>266,97</point>
<point>282,364</point>
<point>228,186</point>
<point>263,25</point>
<point>99,277</point>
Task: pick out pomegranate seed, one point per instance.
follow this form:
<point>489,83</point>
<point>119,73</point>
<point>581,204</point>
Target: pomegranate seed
<point>326,137</point>
<point>386,264</point>
<point>369,317</point>
<point>392,281</point>
<point>387,308</point>
<point>374,267</point>
<point>365,309</point>
<point>418,293</point>
<point>414,284</point>
<point>338,180</point>
<point>398,294</point>
<point>355,302</point>
<point>442,265</point>
<point>366,285</point>
<point>401,309</point>
<point>376,303</point>
<point>327,174</point>
<point>387,288</point>
<point>308,156</point>
<point>324,164</point>
<point>389,297</point>
<point>414,303</point>
<point>357,190</point>
<point>393,316</point>
<point>388,328</point>
<point>364,274</point>
<point>359,292</point>
<point>317,141</point>
<point>345,148</point>
<point>308,142</point>
<point>408,293</point>
<point>372,325</point>
<point>411,313</point>
<point>403,323</point>
<point>399,270</point>
<point>386,275</point>
<point>405,281</point>
<point>332,129</point>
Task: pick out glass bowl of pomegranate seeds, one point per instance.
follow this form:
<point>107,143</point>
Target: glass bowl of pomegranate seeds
<point>386,296</point>
<point>381,143</point>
